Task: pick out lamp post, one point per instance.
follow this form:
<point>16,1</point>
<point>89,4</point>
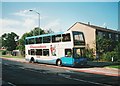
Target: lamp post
<point>38,18</point>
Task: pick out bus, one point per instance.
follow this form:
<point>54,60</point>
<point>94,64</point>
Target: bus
<point>62,49</point>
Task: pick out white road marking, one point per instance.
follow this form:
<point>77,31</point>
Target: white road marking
<point>68,77</point>
<point>21,67</point>
<point>11,83</point>
<point>64,75</point>
<point>6,64</point>
<point>68,71</point>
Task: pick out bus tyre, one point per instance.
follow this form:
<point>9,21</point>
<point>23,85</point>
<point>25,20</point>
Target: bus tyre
<point>59,63</point>
<point>32,60</point>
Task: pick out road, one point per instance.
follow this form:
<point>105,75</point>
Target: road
<point>19,74</point>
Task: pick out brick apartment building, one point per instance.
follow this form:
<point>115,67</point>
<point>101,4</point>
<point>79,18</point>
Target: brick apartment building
<point>91,32</point>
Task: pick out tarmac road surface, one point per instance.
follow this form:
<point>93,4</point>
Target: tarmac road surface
<point>19,74</point>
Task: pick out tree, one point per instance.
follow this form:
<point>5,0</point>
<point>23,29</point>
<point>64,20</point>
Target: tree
<point>49,31</point>
<point>37,31</point>
<point>103,45</point>
<point>21,42</point>
<point>107,48</point>
<point>0,42</point>
<point>33,32</point>
<point>117,50</point>
<point>9,41</point>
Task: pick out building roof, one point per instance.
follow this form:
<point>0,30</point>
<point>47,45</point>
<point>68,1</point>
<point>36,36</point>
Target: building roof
<point>96,27</point>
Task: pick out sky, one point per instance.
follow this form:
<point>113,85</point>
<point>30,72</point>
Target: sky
<point>57,16</point>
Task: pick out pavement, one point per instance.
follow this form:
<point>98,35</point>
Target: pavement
<point>94,70</point>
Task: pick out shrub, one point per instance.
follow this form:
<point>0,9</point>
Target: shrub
<point>108,56</point>
<point>4,52</point>
<point>89,54</point>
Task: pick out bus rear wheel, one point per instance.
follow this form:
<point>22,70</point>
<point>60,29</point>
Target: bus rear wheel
<point>59,63</point>
<point>32,60</point>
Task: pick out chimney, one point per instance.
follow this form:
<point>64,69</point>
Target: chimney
<point>88,23</point>
<point>106,27</point>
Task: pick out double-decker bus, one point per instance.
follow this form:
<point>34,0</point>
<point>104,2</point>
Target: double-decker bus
<point>63,48</point>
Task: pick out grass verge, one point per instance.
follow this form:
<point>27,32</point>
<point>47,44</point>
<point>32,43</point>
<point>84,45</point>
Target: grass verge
<point>9,56</point>
<point>114,66</point>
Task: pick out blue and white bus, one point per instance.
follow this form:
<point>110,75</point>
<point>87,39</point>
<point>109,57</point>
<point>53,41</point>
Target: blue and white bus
<point>64,48</point>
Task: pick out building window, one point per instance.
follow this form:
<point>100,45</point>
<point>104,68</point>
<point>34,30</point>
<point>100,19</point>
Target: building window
<point>100,34</point>
<point>116,36</point>
<point>110,35</point>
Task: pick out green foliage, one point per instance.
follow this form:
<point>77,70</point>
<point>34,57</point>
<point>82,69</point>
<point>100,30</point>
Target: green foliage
<point>69,54</point>
<point>103,44</point>
<point>108,56</point>
<point>9,41</point>
<point>34,32</point>
<point>0,42</point>
<point>114,66</point>
<point>21,45</point>
<point>89,54</point>
<point>4,52</point>
<point>117,50</point>
<point>107,48</point>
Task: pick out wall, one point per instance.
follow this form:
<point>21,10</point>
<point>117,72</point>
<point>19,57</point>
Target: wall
<point>89,33</point>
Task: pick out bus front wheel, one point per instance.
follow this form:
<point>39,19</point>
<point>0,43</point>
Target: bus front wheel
<point>59,63</point>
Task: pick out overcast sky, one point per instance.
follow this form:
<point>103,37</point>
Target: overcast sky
<point>58,16</point>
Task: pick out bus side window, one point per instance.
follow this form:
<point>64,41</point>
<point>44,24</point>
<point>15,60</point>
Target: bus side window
<point>39,52</point>
<point>32,52</point>
<point>46,39</point>
<point>56,38</point>
<point>26,41</point>
<point>31,41</point>
<point>45,52</point>
<point>29,52</point>
<point>38,40</point>
<point>66,37</point>
<point>68,52</point>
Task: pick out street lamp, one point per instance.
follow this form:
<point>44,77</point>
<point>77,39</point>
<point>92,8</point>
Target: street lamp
<point>38,18</point>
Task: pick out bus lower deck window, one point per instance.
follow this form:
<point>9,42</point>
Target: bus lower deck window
<point>68,52</point>
<point>45,52</point>
<point>32,52</point>
<point>39,52</point>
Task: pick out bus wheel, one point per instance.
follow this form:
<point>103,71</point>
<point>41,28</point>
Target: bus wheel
<point>32,60</point>
<point>59,63</point>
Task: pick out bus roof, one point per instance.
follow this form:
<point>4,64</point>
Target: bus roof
<point>44,35</point>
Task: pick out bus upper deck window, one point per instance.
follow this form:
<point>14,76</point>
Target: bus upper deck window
<point>46,39</point>
<point>66,37</point>
<point>56,38</point>
<point>31,41</point>
<point>38,40</point>
<point>26,41</point>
